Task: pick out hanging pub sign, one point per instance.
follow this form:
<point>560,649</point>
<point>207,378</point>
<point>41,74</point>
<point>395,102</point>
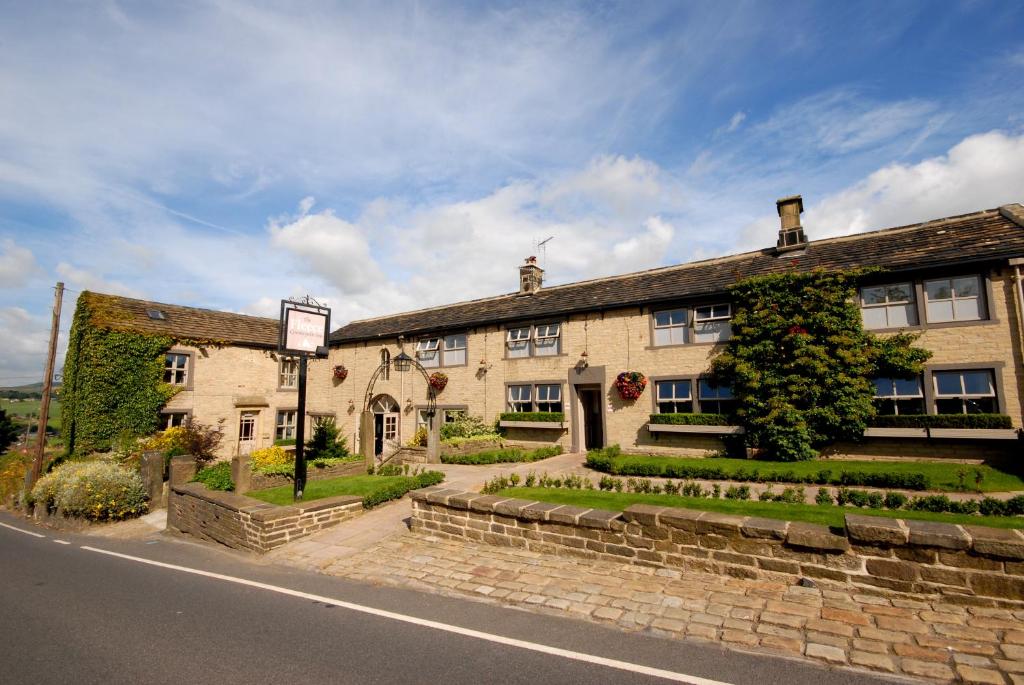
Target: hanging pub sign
<point>304,329</point>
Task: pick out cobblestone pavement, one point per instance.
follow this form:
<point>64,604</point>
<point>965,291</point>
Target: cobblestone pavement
<point>927,638</point>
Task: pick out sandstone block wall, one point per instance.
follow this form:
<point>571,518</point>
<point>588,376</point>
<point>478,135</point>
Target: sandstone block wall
<point>249,524</point>
<point>906,556</point>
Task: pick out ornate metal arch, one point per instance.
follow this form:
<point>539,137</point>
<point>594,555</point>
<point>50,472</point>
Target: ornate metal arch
<point>431,395</point>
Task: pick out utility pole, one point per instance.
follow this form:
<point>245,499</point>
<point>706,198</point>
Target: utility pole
<point>44,406</point>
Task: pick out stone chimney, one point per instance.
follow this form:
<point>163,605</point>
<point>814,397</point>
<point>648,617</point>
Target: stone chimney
<point>791,233</point>
<point>531,277</point>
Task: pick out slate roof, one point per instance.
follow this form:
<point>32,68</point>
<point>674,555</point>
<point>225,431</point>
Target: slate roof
<point>191,323</point>
<point>982,236</point>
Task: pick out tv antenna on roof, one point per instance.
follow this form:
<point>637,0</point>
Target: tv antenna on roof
<point>542,247</point>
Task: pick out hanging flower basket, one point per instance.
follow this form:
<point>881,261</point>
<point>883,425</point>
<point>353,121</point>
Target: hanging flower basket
<point>631,384</point>
<point>438,381</point>
<point>340,372</point>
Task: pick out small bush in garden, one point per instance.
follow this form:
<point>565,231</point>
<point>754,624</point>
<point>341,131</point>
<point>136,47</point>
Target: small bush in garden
<point>895,500</point>
<point>389,470</point>
<point>326,442</point>
<point>419,438</point>
<point>465,427</point>
<point>531,479</point>
<point>201,441</point>
<point>216,477</point>
<point>618,485</point>
<point>93,490</point>
<point>766,495</point>
<point>824,497</point>
<point>271,458</point>
<point>933,503</point>
<point>716,491</point>
<point>741,492</point>
<point>514,479</point>
<point>397,489</point>
<point>483,438</point>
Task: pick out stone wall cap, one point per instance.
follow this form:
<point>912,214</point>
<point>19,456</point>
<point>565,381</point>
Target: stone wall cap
<point>757,527</point>
<point>1006,543</point>
<point>566,513</point>
<point>599,518</point>
<point>441,496</point>
<point>933,534</point>
<point>512,506</point>
<point>720,524</point>
<point>644,514</point>
<point>328,502</point>
<point>538,511</point>
<point>684,519</point>
<point>814,536</point>
<point>463,500</point>
<point>485,504</point>
<point>420,495</point>
<point>876,530</point>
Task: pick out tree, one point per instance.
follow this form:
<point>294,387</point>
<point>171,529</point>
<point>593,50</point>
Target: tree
<point>8,431</point>
<point>326,443</point>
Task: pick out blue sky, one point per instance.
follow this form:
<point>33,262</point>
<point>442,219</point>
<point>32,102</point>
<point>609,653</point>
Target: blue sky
<point>384,157</point>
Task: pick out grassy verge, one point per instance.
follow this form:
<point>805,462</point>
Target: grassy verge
<point>502,456</point>
<point>373,489</point>
<point>887,474</point>
<point>824,515</point>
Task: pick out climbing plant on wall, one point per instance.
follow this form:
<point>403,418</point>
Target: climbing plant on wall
<point>113,379</point>
<point>800,362</point>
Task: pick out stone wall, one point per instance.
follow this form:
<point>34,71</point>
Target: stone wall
<point>906,556</point>
<point>250,524</point>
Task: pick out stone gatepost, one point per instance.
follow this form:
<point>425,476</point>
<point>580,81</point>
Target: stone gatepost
<point>434,440</point>
<point>151,468</point>
<point>183,469</point>
<point>241,473</point>
<point>366,437</point>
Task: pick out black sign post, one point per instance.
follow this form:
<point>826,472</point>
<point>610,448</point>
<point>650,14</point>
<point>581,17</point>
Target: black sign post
<point>304,329</point>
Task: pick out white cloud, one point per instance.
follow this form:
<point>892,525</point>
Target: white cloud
<point>24,339</point>
<point>17,265</point>
<point>83,279</point>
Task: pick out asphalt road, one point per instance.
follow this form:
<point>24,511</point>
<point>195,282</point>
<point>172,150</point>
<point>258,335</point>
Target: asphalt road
<point>69,614</point>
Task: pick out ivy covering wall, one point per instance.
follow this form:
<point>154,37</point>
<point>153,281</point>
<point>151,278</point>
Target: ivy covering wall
<point>113,379</point>
<point>800,362</point>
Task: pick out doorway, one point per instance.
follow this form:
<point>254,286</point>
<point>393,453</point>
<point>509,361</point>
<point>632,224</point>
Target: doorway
<point>591,416</point>
<point>247,431</point>
<point>385,423</point>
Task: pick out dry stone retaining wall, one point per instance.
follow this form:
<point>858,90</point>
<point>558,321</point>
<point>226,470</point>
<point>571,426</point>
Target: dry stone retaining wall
<point>907,556</point>
<point>249,524</point>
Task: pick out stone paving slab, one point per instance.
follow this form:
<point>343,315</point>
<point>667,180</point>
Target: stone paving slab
<point>931,638</point>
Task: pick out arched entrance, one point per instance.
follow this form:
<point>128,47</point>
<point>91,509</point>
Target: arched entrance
<point>386,416</point>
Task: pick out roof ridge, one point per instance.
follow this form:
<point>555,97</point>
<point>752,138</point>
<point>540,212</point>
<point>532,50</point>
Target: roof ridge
<point>178,306</point>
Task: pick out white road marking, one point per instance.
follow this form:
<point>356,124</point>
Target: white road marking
<point>436,625</point>
<point>21,530</point>
<point>62,542</point>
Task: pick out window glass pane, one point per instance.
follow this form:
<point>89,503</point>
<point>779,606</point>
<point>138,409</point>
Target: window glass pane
<point>712,331</point>
<point>947,382</point>
<point>939,312</point>
<point>908,387</point>
<point>515,334</point>
<point>883,387</point>
<point>519,349</point>
<point>709,391</point>
<point>949,406</point>
<point>966,287</point>
<point>901,292</point>
<point>547,331</point>
<point>662,318</point>
<point>428,359</point>
<point>874,317</point>
<point>980,405</point>
<point>910,406</point>
<point>967,310</point>
<point>664,390</point>
<point>977,382</point>
<point>873,295</point>
<point>938,290</point>
<point>901,315</point>
<point>453,342</point>
<point>662,336</point>
<point>681,389</point>
<point>885,407</point>
<point>546,346</point>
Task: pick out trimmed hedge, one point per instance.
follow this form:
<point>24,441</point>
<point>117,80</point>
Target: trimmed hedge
<point>545,416</point>
<point>602,460</point>
<point>691,419</point>
<point>502,456</point>
<point>398,489</point>
<point>943,421</point>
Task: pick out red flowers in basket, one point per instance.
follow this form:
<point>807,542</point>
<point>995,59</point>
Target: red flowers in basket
<point>438,381</point>
<point>630,384</point>
<point>340,372</point>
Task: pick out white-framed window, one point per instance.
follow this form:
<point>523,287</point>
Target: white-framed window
<point>517,341</point>
<point>173,419</point>
<point>714,399</point>
<point>711,323</point>
<point>674,397</point>
<point>970,391</point>
<point>899,396</point>
<point>385,362</point>
<point>288,373</point>
<point>549,397</point>
<point>670,327</point>
<point>546,339</point>
<point>888,306</point>
<point>428,352</point>
<point>954,299</point>
<point>285,425</point>
<point>176,368</point>
<point>454,350</point>
<point>520,398</point>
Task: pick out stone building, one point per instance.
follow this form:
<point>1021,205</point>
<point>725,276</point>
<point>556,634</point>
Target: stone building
<point>956,281</point>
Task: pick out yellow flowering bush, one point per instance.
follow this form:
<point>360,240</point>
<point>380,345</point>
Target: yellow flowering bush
<point>93,490</point>
<point>166,441</point>
<point>270,458</point>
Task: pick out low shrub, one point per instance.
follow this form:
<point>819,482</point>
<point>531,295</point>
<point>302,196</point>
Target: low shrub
<point>465,427</point>
<point>270,459</point>
<point>216,476</point>
<point>540,416</point>
<point>942,421</point>
<point>459,442</point>
<point>824,497</point>
<point>397,489</point>
<point>286,442</point>
<point>419,438</point>
<point>93,490</point>
<point>738,492</point>
<point>502,456</point>
<point>690,419</point>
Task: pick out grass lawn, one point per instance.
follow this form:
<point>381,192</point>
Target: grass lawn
<point>940,476</point>
<point>361,486</point>
<point>30,408</point>
<point>811,513</point>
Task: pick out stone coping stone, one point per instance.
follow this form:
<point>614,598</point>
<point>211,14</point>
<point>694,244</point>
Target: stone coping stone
<point>876,530</point>
<point>463,500</point>
<point>932,534</point>
<point>683,519</point>
<point>719,524</point>
<point>599,518</point>
<point>1006,543</point>
<point>512,507</point>
<point>814,536</point>
<point>420,495</point>
<point>327,503</point>
<point>566,514</point>
<point>485,504</point>
<point>441,496</point>
<point>538,511</point>
<point>644,514</point>
<point>772,529</point>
